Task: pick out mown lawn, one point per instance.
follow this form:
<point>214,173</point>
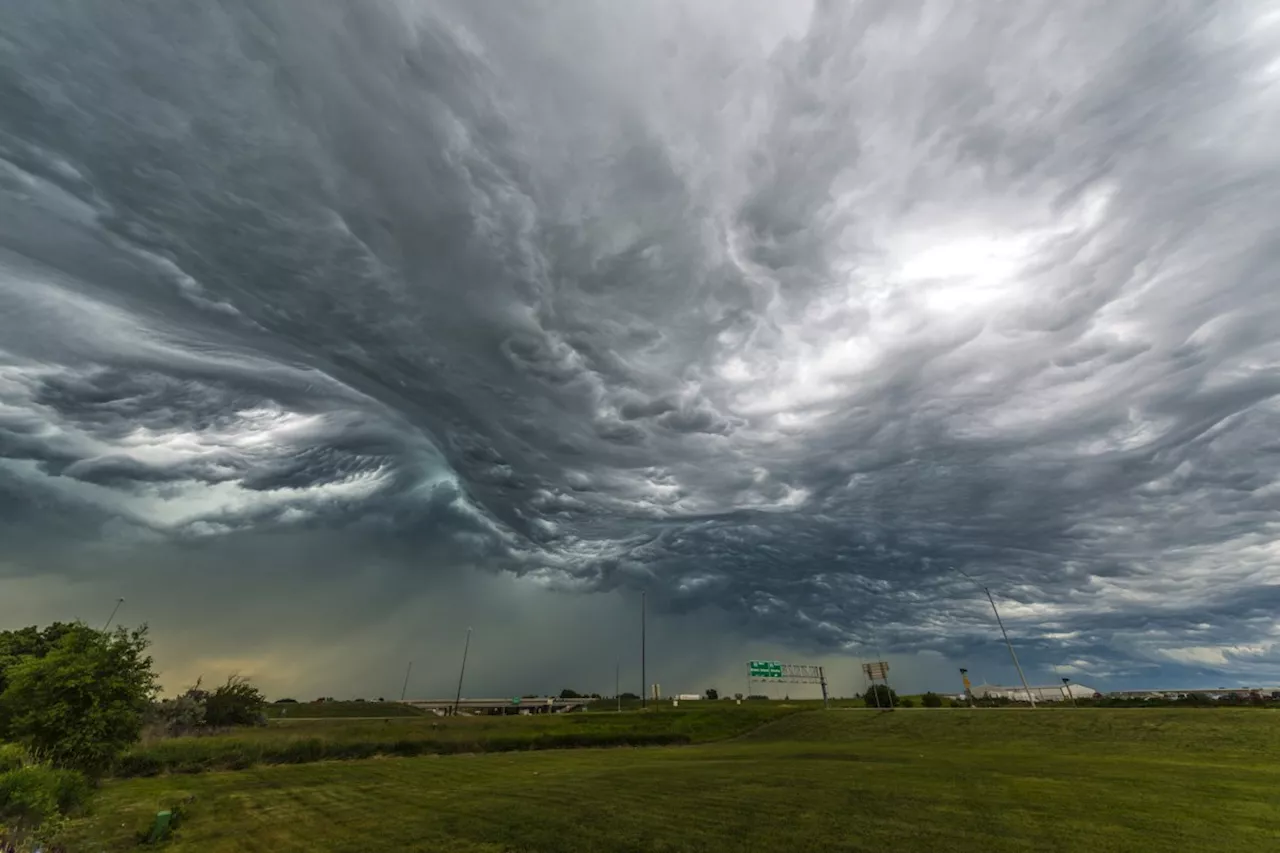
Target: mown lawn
<point>1097,780</point>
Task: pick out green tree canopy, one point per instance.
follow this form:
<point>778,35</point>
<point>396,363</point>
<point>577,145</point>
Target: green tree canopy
<point>29,642</point>
<point>236,703</point>
<point>81,702</point>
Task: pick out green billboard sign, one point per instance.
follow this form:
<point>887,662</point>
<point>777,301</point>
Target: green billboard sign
<point>764,669</point>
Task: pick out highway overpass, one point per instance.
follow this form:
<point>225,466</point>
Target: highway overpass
<point>538,705</point>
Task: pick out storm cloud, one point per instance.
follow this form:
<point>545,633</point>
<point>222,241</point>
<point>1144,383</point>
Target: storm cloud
<point>779,312</point>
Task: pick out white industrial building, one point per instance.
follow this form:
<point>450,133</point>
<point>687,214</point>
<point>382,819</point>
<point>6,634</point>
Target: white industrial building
<point>1052,693</point>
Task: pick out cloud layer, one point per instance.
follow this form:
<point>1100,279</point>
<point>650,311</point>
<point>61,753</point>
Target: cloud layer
<point>779,312</point>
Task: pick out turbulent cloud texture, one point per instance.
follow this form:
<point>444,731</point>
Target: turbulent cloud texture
<point>778,310</point>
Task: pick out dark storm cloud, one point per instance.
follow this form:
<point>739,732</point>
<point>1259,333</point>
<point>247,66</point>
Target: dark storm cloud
<point>783,313</point>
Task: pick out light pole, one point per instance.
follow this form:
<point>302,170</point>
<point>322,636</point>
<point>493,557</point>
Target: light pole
<point>644,677</point>
<point>112,617</point>
<point>405,688</point>
<point>457,699</point>
<point>1066,685</point>
<point>1005,633</point>
<point>617,684</point>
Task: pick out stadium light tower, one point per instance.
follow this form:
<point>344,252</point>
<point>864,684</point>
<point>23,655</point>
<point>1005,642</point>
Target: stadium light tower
<point>1005,633</point>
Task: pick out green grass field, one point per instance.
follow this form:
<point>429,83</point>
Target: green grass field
<point>1096,780</point>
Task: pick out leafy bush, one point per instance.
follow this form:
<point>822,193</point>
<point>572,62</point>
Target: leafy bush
<point>83,702</point>
<point>931,700</point>
<point>183,714</point>
<point>12,757</point>
<point>880,695</point>
<point>34,795</point>
<point>906,702</point>
<point>236,703</point>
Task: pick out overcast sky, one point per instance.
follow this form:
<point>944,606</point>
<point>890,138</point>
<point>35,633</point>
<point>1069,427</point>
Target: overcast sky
<point>330,329</point>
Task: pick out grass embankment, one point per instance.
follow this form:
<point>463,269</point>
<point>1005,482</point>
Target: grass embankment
<point>1096,781</point>
<point>305,741</point>
<point>333,710</point>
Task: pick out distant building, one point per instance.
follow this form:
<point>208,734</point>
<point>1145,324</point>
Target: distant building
<point>688,697</point>
<point>1053,693</point>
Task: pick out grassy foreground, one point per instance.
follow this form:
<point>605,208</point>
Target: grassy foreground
<point>1099,780</point>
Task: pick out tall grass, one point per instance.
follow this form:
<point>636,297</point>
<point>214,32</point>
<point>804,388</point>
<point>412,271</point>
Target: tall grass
<point>334,740</point>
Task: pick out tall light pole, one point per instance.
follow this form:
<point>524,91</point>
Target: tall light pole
<point>1005,633</point>
<point>644,677</point>
<point>617,684</point>
<point>1066,685</point>
<point>112,617</point>
<point>405,688</point>
<point>458,698</point>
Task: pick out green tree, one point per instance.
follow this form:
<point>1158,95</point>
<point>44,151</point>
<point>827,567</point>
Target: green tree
<point>712,693</point>
<point>931,700</point>
<point>28,642</point>
<point>880,695</point>
<point>84,701</point>
<point>236,703</point>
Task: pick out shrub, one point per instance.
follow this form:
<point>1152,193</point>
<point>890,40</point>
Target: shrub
<point>931,700</point>
<point>236,703</point>
<point>181,715</point>
<point>34,795</point>
<point>880,695</point>
<point>906,702</point>
<point>12,757</point>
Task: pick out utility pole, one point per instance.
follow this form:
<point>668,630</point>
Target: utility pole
<point>458,699</point>
<point>644,677</point>
<point>112,617</point>
<point>1066,685</point>
<point>405,689</point>
<point>617,684</point>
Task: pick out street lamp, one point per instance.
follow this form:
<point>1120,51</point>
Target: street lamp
<point>1000,622</point>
